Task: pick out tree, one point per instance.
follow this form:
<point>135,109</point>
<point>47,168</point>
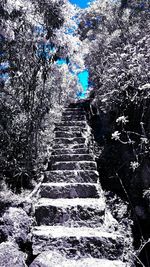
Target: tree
<point>30,49</point>
<point>118,65</point>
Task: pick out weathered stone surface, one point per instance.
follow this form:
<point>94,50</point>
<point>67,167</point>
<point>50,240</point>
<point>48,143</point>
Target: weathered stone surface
<point>69,134</point>
<point>75,109</point>
<point>79,104</point>
<point>72,112</point>
<point>17,224</point>
<point>73,117</point>
<point>10,256</point>
<point>72,123</point>
<point>55,259</point>
<point>70,151</point>
<point>66,141</point>
<point>74,176</point>
<point>70,212</point>
<point>66,190</point>
<point>69,146</point>
<point>72,157</point>
<point>70,128</point>
<point>80,241</point>
<point>74,165</point>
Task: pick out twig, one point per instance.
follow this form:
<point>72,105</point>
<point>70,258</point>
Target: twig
<point>138,260</point>
<point>36,188</point>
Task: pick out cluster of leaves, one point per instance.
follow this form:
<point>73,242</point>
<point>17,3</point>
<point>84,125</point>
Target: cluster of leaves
<point>117,33</point>
<point>118,62</point>
<point>35,83</point>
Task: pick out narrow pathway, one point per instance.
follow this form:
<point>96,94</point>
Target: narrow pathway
<point>71,213</point>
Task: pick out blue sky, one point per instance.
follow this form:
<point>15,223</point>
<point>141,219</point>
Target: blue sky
<point>83,76</point>
<point>80,3</point>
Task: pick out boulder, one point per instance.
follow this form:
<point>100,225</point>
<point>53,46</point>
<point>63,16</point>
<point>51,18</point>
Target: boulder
<point>47,259</point>
<point>16,224</point>
<point>54,259</point>
<point>10,256</point>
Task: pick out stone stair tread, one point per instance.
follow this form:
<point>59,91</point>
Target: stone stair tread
<point>69,190</point>
<point>73,114</point>
<point>72,176</point>
<point>64,231</point>
<point>73,110</point>
<point>56,259</point>
<point>68,138</point>
<point>73,165</point>
<point>72,157</point>
<point>74,171</point>
<point>69,146</point>
<point>68,110</point>
<point>73,154</point>
<point>61,202</point>
<point>76,161</point>
<point>70,128</point>
<point>91,262</point>
<point>75,241</point>
<point>67,134</point>
<point>59,131</point>
<point>71,138</point>
<point>71,212</point>
<point>66,184</point>
<point>72,123</point>
<point>71,151</point>
<point>74,118</point>
<point>75,104</point>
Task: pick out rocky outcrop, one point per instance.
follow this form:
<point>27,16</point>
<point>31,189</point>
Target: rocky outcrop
<point>11,256</point>
<point>71,214</point>
<point>16,225</point>
<point>50,259</point>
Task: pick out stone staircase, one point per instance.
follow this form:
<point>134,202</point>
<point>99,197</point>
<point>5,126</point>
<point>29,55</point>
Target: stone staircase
<point>71,214</point>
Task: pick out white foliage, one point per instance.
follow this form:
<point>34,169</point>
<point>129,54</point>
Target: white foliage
<point>116,135</point>
<point>27,7</point>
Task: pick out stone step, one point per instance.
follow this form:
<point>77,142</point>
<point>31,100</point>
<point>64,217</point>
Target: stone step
<point>70,151</point>
<point>68,134</point>
<point>79,104</point>
<point>70,128</point>
<point>73,112</point>
<point>66,141</point>
<point>74,165</point>
<point>56,259</point>
<point>69,146</point>
<point>70,212</point>
<point>72,123</point>
<point>78,241</point>
<point>70,190</point>
<point>72,157</point>
<point>78,109</point>
<point>73,117</point>
<point>77,176</point>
